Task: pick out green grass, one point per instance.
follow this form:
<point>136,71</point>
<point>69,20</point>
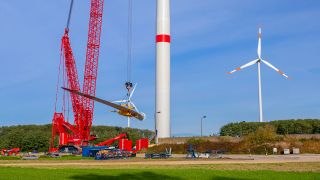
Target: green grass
<point>49,158</point>
<point>154,174</point>
<point>10,157</point>
<point>68,157</point>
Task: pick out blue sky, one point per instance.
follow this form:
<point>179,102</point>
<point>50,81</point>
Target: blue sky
<point>209,38</point>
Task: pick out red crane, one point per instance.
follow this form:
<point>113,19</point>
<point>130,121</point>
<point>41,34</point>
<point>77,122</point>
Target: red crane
<point>79,133</point>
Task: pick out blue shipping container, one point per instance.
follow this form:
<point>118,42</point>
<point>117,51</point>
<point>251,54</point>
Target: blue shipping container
<point>91,151</point>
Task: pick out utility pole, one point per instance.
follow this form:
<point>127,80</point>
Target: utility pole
<point>203,117</point>
<point>155,128</point>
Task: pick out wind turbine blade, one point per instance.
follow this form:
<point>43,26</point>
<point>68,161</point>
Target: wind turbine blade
<point>135,107</point>
<point>244,66</point>
<point>131,93</point>
<point>259,44</point>
<point>276,69</point>
<point>116,106</point>
<point>120,101</point>
<point>108,103</point>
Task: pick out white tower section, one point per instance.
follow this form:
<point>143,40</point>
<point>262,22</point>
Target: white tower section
<point>162,113</point>
<point>259,77</point>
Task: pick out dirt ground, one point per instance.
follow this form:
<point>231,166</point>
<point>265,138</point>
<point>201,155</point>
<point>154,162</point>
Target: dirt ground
<point>304,162</point>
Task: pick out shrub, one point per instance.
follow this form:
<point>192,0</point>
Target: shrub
<point>262,139</point>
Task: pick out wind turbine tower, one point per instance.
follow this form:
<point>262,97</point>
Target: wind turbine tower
<point>162,110</point>
<point>258,62</point>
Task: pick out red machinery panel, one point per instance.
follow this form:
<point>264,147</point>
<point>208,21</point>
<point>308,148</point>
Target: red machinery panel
<point>142,144</point>
<point>125,144</point>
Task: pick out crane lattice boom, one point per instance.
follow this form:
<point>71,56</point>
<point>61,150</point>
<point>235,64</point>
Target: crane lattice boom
<point>91,66</point>
<point>79,133</point>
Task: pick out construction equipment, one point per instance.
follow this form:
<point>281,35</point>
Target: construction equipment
<point>124,151</point>
<point>125,144</point>
<point>104,150</point>
<point>113,154</point>
<point>110,141</point>
<point>79,133</point>
<point>91,151</point>
<point>10,152</point>
<point>163,155</point>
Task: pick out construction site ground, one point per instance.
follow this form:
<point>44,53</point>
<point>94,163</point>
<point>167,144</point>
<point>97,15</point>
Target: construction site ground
<point>297,163</point>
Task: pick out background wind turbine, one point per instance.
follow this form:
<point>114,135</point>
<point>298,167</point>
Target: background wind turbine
<point>258,62</point>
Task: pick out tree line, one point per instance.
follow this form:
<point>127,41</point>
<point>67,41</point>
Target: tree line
<point>37,137</point>
<point>298,126</point>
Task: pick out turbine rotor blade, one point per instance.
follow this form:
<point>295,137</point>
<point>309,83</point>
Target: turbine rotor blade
<point>131,93</point>
<point>120,101</point>
<point>113,105</point>
<point>135,107</point>
<point>244,66</point>
<point>274,68</point>
<point>259,44</point>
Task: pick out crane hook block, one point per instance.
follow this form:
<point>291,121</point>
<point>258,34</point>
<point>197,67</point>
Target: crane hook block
<point>128,85</point>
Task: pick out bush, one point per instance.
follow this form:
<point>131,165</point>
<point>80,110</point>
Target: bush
<point>262,139</point>
<point>310,146</point>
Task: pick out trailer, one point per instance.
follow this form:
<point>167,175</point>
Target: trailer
<point>163,155</point>
<point>157,156</point>
<point>114,154</point>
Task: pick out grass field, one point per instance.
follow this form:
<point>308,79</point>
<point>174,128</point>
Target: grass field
<point>154,174</point>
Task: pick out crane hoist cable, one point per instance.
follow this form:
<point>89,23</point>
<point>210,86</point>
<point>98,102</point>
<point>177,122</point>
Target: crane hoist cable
<point>65,108</point>
<point>65,97</point>
<point>61,61</point>
<point>67,85</point>
<point>128,84</point>
<point>69,15</point>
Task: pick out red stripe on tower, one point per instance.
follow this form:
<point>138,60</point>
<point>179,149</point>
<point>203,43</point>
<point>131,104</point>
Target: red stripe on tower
<point>163,38</point>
